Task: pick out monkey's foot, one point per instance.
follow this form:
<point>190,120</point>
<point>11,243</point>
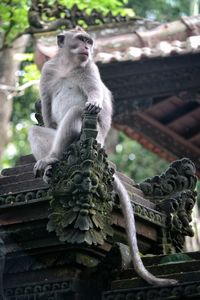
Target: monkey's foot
<point>41,165</point>
<point>93,108</point>
<point>48,174</point>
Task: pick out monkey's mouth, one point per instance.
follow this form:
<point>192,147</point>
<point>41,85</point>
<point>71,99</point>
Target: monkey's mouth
<point>84,53</point>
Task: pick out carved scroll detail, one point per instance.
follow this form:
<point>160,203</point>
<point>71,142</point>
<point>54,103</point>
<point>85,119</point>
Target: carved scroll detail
<point>178,177</point>
<point>61,16</point>
<point>173,192</point>
<point>178,210</point>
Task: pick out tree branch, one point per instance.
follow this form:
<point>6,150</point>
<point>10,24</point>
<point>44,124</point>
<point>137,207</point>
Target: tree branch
<point>12,91</point>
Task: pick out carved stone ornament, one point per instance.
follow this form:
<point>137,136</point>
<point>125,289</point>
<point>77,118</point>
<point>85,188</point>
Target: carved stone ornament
<point>178,210</point>
<point>80,209</point>
<point>59,15</point>
<point>178,177</point>
<point>173,192</point>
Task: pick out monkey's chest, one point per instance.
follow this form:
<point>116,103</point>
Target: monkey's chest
<point>64,98</point>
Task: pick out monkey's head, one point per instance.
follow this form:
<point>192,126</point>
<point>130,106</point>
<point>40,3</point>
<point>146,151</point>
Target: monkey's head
<point>77,44</point>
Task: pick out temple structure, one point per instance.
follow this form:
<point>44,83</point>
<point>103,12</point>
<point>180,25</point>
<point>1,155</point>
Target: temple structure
<point>67,240</point>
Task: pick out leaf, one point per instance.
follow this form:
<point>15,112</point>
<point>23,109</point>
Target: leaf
<point>75,236</point>
<point>81,237</point>
<point>55,217</point>
<point>88,238</point>
<point>68,218</point>
<point>98,220</point>
<point>66,236</point>
<point>50,226</point>
<point>97,237</point>
<point>83,222</point>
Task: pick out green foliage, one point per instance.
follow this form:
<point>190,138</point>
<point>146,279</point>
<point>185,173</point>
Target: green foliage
<point>23,112</point>
<point>31,73</point>
<point>138,163</point>
<point>14,13</point>
<point>13,18</point>
<point>116,6</point>
<point>162,10</point>
<point>175,257</point>
<point>134,160</point>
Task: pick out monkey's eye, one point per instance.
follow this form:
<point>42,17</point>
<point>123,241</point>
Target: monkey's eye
<point>85,39</point>
<point>89,41</point>
<point>60,40</point>
<point>81,38</point>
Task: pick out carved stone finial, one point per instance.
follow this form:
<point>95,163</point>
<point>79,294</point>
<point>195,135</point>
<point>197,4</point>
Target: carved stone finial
<point>82,190</point>
<point>179,176</point>
<point>173,192</point>
<point>59,15</point>
<point>178,210</point>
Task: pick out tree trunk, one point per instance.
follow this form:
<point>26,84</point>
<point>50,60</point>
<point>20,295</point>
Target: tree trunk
<point>8,67</point>
<point>194,7</point>
<point>176,30</point>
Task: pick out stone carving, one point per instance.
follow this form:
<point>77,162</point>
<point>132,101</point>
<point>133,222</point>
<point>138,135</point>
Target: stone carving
<point>38,291</point>
<point>148,293</point>
<point>173,192</point>
<point>60,15</point>
<point>178,211</point>
<point>82,191</point>
<point>24,197</point>
<point>178,177</point>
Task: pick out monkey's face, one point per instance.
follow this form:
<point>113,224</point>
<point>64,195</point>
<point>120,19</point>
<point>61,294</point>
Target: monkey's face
<point>78,44</point>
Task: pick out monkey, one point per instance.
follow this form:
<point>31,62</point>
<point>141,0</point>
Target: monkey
<point>73,75</point>
<point>71,83</point>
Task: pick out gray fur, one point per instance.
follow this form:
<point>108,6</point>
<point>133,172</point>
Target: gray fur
<point>70,83</point>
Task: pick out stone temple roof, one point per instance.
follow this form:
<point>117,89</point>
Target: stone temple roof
<point>130,42</point>
<point>174,38</point>
<point>162,49</point>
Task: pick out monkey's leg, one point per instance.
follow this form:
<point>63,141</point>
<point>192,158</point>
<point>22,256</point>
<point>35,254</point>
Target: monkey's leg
<point>68,130</point>
<point>41,140</point>
<point>103,128</point>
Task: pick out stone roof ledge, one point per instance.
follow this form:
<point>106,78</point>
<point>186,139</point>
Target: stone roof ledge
<point>135,40</point>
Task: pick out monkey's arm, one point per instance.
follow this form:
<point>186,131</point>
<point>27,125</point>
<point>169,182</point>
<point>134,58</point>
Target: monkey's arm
<point>46,96</point>
<point>46,111</point>
<point>92,86</point>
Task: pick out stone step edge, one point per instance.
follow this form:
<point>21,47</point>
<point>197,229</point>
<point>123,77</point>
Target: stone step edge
<point>140,283</point>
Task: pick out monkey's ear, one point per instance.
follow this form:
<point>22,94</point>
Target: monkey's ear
<point>60,40</point>
<point>79,28</point>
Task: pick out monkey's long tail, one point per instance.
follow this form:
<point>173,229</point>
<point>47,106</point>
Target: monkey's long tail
<point>131,233</point>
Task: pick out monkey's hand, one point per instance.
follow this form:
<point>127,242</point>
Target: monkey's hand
<point>42,164</point>
<point>93,107</point>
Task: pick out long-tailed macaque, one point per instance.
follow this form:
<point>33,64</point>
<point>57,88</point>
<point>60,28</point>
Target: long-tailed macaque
<point>70,84</point>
